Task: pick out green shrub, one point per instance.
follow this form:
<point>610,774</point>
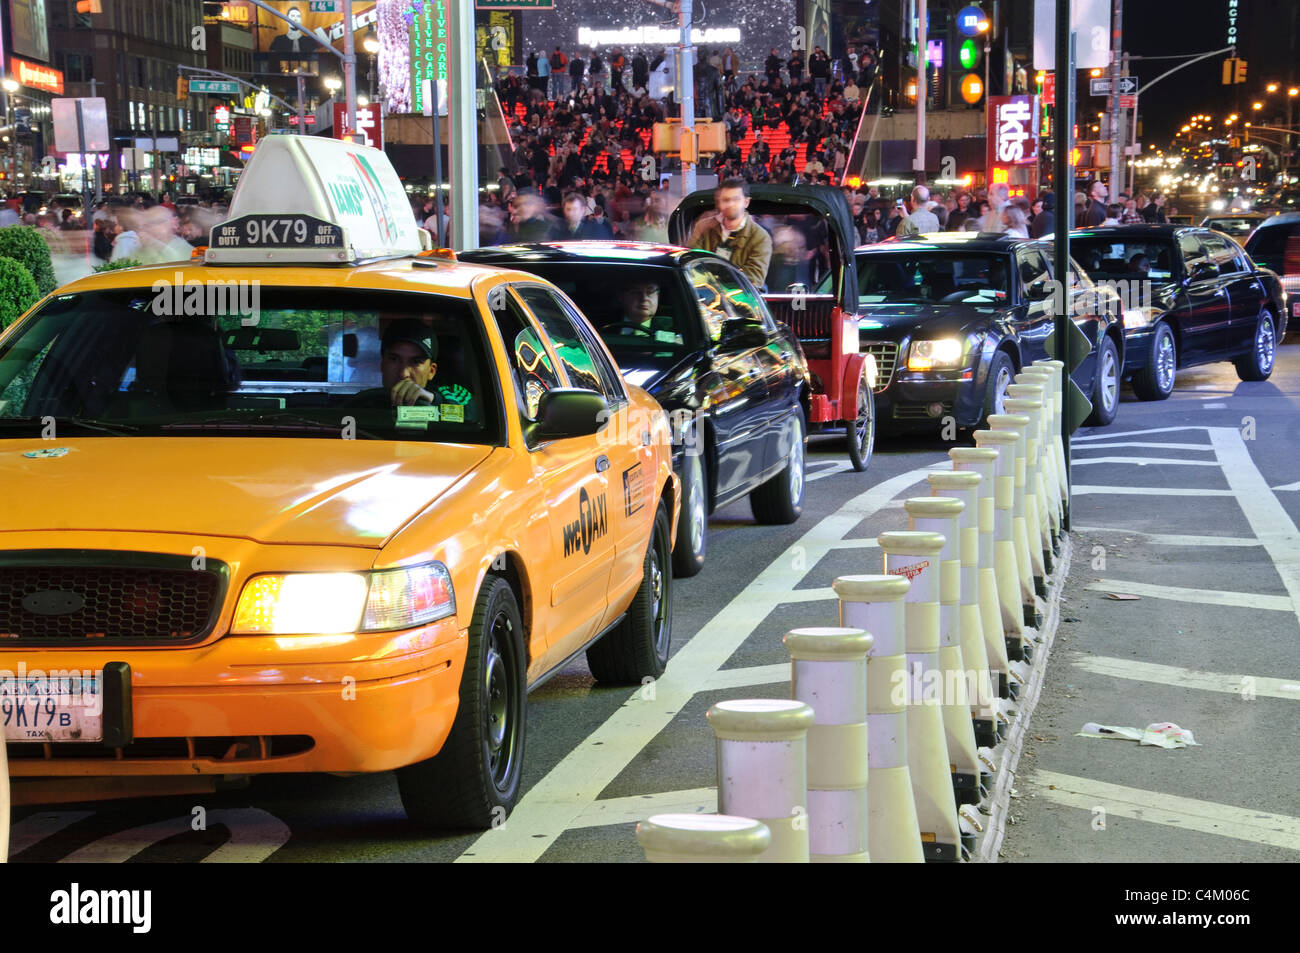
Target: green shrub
<point>26,245</point>
<point>18,290</point>
<point>120,263</point>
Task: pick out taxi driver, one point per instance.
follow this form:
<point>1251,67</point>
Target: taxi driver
<point>406,362</point>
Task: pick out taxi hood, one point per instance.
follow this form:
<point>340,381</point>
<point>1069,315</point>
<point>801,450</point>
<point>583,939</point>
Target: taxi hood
<point>271,490</point>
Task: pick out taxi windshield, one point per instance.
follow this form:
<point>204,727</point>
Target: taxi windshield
<point>248,360</point>
<point>927,277</point>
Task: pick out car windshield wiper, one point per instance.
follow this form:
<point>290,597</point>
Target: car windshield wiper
<point>62,424</point>
<point>264,421</point>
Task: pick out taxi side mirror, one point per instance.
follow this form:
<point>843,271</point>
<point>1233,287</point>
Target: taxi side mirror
<point>565,412</point>
<point>741,335</point>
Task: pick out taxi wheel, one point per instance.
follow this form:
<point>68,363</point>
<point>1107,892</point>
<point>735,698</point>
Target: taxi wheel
<point>638,648</point>
<point>473,782</point>
<point>692,526</point>
<point>780,499</point>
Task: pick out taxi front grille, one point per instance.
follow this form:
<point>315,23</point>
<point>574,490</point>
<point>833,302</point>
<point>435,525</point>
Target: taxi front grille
<point>886,355</point>
<point>84,598</point>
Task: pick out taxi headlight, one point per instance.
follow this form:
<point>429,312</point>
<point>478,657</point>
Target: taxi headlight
<point>327,603</point>
<point>935,354</point>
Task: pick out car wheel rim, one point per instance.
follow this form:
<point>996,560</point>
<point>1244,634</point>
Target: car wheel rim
<point>1109,380</point>
<point>796,468</point>
<point>864,425</point>
<point>696,504</point>
<point>499,714</point>
<point>1000,389</point>
<point>1264,344</point>
<point>1165,361</point>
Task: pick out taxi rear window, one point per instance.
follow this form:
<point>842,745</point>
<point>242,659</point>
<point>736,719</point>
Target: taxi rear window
<point>251,360</point>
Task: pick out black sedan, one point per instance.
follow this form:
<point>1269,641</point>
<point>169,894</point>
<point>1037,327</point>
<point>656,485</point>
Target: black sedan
<point>693,331</point>
<point>1192,295</point>
<point>952,317</point>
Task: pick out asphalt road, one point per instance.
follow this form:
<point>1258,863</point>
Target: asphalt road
<point>597,759</point>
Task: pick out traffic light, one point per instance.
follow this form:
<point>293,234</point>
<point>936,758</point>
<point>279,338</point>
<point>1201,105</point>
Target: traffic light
<point>1240,75</point>
<point>182,88</point>
<point>1234,71</point>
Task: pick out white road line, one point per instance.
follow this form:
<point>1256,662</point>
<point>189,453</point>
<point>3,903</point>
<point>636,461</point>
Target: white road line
<point>1214,406</point>
<point>855,544</point>
<point>1135,433</point>
<point>730,678</point>
<point>1260,686</point>
<point>1143,461</point>
<point>1171,539</point>
<point>1148,491</point>
<point>1207,597</point>
<point>838,466</point>
<point>254,836</point>
<point>637,807</point>
<point>808,595</point>
<point>552,805</point>
<point>1289,486</point>
<point>1267,517</point>
<point>37,827</point>
<point>1206,817</point>
<point>1145,444</point>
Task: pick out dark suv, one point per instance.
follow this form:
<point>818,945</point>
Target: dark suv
<point>1206,301</point>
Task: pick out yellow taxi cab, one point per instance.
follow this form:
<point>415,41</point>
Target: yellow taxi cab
<point>316,501</point>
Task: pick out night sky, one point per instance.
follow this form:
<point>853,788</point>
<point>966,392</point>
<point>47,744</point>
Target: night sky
<point>1154,27</point>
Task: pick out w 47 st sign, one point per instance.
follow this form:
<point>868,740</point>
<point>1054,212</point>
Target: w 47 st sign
<point>364,127</point>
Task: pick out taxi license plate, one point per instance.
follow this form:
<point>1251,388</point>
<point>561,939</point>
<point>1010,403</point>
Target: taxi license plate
<point>1295,308</point>
<point>53,708</point>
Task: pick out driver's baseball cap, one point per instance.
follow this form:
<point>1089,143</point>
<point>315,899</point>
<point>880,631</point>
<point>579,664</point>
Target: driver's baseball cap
<point>413,331</point>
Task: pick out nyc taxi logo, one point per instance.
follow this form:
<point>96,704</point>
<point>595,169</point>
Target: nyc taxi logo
<point>912,571</point>
<point>590,525</point>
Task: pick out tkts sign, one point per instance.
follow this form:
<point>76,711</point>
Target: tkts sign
<point>1012,153</point>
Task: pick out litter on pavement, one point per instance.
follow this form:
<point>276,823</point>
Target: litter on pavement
<point>1162,734</point>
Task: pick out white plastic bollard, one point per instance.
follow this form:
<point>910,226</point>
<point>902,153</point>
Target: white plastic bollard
<point>875,604</point>
<point>702,839</point>
<point>1029,556</point>
<point>1058,414</point>
<point>829,672</point>
<point>916,555</point>
<point>1013,578</point>
<point>1027,401</point>
<point>1044,378</point>
<point>939,514</point>
<point>762,746</point>
<point>983,461</point>
<point>964,486</point>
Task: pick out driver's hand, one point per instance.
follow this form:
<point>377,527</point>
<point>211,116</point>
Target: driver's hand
<point>407,393</point>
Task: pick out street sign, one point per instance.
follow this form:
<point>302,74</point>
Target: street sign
<point>367,124</point>
<point>1077,405</point>
<point>221,86</point>
<point>1090,22</point>
<point>1128,102</point>
<point>321,6</point>
<point>1128,85</point>
<point>94,122</point>
<point>1049,89</point>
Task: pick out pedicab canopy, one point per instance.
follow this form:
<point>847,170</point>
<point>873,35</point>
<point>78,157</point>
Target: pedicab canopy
<point>313,200</point>
<point>820,215</point>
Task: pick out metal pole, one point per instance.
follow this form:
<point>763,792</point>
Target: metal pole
<point>85,182</point>
<point>1116,143</point>
<point>350,66</point>
<point>462,124</point>
<point>437,162</point>
<point>686,91</point>
<point>302,108</point>
<point>1064,175</point>
<point>922,91</point>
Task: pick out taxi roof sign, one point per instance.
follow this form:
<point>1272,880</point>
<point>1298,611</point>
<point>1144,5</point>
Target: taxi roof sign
<point>313,200</point>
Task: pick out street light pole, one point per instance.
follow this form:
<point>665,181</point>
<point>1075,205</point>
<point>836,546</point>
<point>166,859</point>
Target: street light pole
<point>349,66</point>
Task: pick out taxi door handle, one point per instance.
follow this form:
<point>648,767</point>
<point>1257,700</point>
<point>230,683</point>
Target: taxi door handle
<point>602,463</point>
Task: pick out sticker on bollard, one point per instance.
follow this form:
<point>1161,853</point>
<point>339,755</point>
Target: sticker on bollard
<point>702,839</point>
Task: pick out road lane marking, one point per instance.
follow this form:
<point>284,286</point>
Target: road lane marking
<point>551,806</point>
<point>1143,461</point>
<point>1264,511</point>
<point>638,807</point>
<point>254,836</point>
<point>730,678</point>
<point>809,595</point>
<point>1137,433</point>
<point>1148,491</point>
<point>37,827</point>
<point>1207,597</point>
<point>830,469</point>
<point>1206,817</point>
<point>1144,444</point>
<point>1289,486</point>
<point>1171,539</point>
<point>1260,686</point>
<point>1214,406</point>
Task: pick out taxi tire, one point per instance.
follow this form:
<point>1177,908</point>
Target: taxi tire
<point>773,502</point>
<point>455,789</point>
<point>630,653</point>
<point>687,560</point>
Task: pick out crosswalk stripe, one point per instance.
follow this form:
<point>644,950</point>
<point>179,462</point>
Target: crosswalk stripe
<point>638,807</point>
<point>730,678</point>
<point>1206,817</point>
<point>1208,597</point>
<point>37,827</point>
<point>1142,461</point>
<point>1261,686</point>
<point>1135,433</point>
<point>1147,491</point>
<point>1139,443</point>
